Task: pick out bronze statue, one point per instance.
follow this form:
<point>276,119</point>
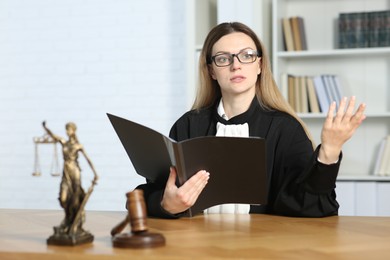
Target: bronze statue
<point>72,196</point>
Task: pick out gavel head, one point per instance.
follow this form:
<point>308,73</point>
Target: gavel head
<point>137,210</point>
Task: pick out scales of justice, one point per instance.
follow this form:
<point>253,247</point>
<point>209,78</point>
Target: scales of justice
<point>72,196</point>
<point>55,168</point>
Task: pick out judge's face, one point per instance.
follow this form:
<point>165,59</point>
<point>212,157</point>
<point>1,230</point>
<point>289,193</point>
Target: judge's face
<point>239,77</point>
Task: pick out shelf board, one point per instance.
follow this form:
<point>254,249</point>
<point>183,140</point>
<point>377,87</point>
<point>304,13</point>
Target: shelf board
<point>363,178</point>
<point>334,53</point>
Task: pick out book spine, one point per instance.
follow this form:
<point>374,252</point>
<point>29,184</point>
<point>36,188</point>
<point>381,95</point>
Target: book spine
<point>304,97</point>
<point>313,101</point>
<point>296,34</point>
<point>352,24</point>
<point>359,30</point>
<point>327,90</point>
<point>297,95</point>
<point>384,164</point>
<point>379,157</point>
<point>287,35</point>
<point>338,87</point>
<point>342,33</point>
<point>374,25</point>
<point>384,29</point>
<point>363,30</point>
<point>321,94</point>
<point>179,163</point>
<point>291,92</point>
<point>181,169</point>
<point>284,85</point>
<point>387,27</point>
<point>302,33</point>
<point>332,95</point>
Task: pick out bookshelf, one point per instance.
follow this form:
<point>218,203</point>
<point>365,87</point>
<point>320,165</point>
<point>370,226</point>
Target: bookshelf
<point>364,72</point>
<point>358,192</point>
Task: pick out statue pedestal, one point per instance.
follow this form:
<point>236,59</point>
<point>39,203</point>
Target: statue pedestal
<point>62,238</point>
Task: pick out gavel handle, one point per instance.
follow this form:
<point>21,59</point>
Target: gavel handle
<point>118,228</point>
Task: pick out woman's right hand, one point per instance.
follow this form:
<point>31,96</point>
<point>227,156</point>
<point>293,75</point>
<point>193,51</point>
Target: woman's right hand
<point>179,199</point>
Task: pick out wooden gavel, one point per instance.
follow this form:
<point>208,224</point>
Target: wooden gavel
<point>137,218</point>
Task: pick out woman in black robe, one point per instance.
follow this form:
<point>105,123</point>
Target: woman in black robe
<point>237,90</point>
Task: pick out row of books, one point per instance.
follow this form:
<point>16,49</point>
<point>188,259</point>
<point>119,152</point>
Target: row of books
<point>294,35</point>
<point>364,29</point>
<point>311,94</point>
<point>382,164</point>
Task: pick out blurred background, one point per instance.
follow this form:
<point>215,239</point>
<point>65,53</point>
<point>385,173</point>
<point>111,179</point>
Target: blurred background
<point>76,60</point>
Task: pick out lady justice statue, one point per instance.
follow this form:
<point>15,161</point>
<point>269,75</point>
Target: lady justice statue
<point>72,197</point>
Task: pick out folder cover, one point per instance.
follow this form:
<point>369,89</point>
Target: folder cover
<point>237,165</point>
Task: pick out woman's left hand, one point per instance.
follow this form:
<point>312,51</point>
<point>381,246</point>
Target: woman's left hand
<point>337,129</point>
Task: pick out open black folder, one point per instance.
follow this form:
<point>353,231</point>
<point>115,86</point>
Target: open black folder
<point>237,165</point>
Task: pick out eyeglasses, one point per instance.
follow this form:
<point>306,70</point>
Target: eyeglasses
<point>226,59</point>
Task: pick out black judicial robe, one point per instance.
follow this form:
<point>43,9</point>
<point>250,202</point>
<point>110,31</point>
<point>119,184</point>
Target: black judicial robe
<point>299,185</point>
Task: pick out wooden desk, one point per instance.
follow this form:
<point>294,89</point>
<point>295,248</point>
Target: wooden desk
<point>23,235</point>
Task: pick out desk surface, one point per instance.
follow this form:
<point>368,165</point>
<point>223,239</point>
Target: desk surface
<point>23,234</point>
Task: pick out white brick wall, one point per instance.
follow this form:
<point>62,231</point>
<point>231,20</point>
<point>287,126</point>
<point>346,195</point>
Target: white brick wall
<point>75,60</point>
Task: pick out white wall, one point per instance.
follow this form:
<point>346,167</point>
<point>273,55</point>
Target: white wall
<point>75,60</point>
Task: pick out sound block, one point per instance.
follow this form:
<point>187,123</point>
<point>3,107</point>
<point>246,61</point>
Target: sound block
<point>138,240</point>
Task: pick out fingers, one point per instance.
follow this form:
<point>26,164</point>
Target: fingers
<point>172,177</point>
<point>345,111</point>
<point>180,199</point>
<point>350,108</point>
<point>329,117</point>
<point>341,112</point>
<point>359,115</point>
<point>189,192</point>
<point>197,184</point>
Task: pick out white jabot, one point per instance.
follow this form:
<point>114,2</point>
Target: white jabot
<point>241,130</point>
<point>233,130</point>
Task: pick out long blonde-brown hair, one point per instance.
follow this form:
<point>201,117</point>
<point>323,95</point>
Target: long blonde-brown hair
<point>267,92</point>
